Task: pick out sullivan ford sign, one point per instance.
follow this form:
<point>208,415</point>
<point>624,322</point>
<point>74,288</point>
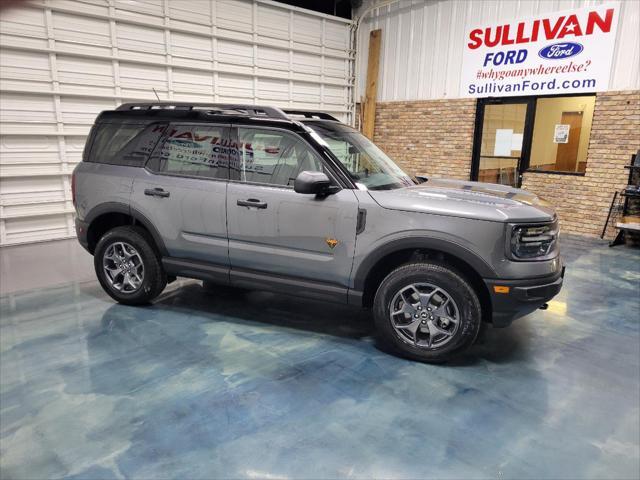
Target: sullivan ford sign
<point>561,52</point>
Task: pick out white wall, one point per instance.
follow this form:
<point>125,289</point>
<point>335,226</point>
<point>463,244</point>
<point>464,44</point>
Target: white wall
<point>422,42</point>
<point>62,61</point>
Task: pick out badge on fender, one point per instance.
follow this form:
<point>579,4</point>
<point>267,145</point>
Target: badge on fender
<point>332,242</point>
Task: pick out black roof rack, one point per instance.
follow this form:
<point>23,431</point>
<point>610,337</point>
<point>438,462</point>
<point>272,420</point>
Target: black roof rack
<point>228,108</point>
<point>311,114</point>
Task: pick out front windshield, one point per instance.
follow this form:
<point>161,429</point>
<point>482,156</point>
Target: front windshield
<point>367,164</point>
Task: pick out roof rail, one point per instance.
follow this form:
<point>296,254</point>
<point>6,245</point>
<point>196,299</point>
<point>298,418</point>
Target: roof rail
<point>253,110</point>
<point>311,114</point>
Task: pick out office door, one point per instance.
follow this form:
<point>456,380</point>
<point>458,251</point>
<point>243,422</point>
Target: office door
<point>567,156</point>
<point>503,136</point>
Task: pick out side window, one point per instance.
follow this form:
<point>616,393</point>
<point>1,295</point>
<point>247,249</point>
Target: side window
<point>109,139</point>
<point>194,150</point>
<point>137,151</point>
<point>272,157</point>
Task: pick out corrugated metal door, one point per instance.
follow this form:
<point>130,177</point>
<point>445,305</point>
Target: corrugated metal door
<point>63,61</point>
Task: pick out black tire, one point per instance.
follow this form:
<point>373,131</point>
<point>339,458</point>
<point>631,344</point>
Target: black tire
<point>154,279</point>
<point>452,282</point>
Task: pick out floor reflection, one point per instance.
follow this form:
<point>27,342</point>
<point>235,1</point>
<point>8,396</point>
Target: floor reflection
<point>243,384</point>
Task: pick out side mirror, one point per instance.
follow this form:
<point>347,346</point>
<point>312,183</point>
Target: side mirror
<point>314,183</point>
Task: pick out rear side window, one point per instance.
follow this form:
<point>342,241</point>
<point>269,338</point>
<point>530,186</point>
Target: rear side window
<point>137,151</point>
<point>124,144</point>
<point>195,151</point>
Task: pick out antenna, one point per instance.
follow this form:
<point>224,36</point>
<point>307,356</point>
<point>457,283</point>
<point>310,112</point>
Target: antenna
<point>154,91</point>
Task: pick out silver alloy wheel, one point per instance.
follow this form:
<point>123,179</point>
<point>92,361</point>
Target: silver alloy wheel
<point>123,267</point>
<point>424,315</point>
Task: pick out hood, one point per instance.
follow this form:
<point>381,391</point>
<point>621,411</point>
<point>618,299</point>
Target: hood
<point>480,201</point>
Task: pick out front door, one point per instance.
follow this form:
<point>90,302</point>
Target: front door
<point>501,141</point>
<point>274,230</point>
<point>182,191</point>
<point>567,155</point>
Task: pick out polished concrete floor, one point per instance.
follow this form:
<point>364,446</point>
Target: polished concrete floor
<point>253,385</point>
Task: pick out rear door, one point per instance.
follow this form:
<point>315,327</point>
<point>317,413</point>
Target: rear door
<point>182,191</point>
<point>274,230</point>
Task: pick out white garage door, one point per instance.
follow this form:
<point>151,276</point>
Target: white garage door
<point>62,61</point>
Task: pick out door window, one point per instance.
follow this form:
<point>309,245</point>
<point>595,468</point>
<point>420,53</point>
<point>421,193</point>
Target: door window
<point>272,157</point>
<point>194,150</point>
<point>503,127</point>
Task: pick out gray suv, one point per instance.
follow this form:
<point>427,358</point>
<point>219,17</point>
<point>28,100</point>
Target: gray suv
<point>299,203</point>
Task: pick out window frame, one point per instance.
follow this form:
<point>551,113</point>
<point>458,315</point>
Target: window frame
<point>164,138</point>
<point>328,170</point>
<point>524,165</point>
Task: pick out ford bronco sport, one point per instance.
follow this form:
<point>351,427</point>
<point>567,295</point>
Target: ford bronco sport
<point>299,203</point>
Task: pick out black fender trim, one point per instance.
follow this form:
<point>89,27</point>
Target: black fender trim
<point>481,267</point>
<point>115,207</point>
<point>108,207</point>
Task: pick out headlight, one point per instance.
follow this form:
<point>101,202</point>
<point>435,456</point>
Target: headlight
<point>534,242</point>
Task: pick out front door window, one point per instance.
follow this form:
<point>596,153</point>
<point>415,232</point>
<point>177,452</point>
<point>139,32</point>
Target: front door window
<point>272,157</point>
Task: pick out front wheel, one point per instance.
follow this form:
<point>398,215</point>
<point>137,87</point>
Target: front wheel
<point>427,312</point>
<point>127,266</point>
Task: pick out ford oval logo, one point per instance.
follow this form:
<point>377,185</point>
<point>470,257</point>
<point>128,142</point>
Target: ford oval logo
<point>558,51</point>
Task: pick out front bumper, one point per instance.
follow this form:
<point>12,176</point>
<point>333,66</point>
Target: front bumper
<point>523,297</point>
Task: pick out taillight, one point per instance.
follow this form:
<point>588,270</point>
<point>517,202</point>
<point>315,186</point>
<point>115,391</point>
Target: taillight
<point>73,188</point>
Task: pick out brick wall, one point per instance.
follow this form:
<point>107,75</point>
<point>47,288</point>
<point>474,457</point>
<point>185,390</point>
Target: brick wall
<point>435,137</point>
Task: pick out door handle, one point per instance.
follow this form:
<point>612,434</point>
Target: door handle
<point>156,192</point>
<point>251,202</point>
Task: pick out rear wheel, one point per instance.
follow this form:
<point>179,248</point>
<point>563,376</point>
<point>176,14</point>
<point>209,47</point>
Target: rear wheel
<point>427,312</point>
<point>127,266</point>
